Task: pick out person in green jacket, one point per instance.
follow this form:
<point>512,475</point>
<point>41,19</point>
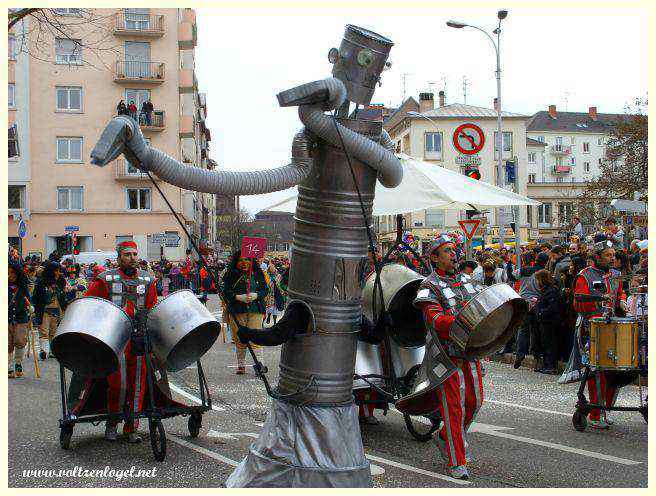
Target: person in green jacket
<point>49,304</point>
<point>244,300</point>
<point>18,317</point>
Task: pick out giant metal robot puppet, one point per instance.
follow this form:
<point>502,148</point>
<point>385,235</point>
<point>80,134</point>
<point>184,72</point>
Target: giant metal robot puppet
<point>311,437</point>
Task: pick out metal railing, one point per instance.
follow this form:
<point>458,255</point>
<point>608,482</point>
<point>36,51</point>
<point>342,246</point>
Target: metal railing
<point>156,120</point>
<point>138,70</point>
<point>561,149</point>
<point>135,24</point>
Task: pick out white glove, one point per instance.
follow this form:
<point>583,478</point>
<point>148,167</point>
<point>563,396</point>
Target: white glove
<point>252,296</point>
<point>242,297</point>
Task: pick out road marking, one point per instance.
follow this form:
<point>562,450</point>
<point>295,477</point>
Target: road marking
<point>542,410</point>
<point>494,430</point>
<point>376,469</point>
<point>204,451</point>
<point>231,435</point>
<point>416,470</point>
<point>191,397</point>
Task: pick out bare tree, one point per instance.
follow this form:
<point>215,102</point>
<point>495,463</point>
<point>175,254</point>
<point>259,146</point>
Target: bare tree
<point>89,31</point>
<point>231,231</point>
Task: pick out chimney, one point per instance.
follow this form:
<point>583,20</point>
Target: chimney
<point>496,104</point>
<point>592,112</point>
<point>426,102</point>
<point>552,111</point>
<point>441,97</point>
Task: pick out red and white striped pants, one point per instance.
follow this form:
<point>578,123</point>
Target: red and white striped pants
<point>460,397</point>
<point>599,390</point>
<point>127,386</point>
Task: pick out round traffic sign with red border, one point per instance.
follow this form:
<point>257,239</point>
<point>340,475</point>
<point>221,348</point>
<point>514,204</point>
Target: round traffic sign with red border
<point>468,139</point>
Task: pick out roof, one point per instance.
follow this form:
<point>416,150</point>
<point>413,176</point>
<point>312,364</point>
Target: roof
<point>534,142</point>
<point>576,122</point>
<point>374,113</point>
<point>462,110</point>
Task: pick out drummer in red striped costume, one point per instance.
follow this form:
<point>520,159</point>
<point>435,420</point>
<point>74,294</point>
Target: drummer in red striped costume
<point>131,289</point>
<point>440,297</point>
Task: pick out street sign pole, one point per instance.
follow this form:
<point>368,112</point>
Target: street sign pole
<point>469,227</point>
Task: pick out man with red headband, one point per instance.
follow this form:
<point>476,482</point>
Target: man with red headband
<point>440,297</point>
<point>131,289</point>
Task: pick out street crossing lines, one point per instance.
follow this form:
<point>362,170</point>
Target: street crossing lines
<point>191,397</point>
<point>203,451</point>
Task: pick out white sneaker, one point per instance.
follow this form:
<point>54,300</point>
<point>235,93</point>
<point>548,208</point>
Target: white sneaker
<point>599,424</point>
<point>111,433</point>
<point>459,472</point>
<point>134,438</point>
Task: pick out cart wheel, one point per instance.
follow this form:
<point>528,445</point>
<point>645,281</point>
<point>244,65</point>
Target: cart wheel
<point>65,434</point>
<point>420,431</point>
<point>194,424</point>
<point>579,421</point>
<point>157,439</point>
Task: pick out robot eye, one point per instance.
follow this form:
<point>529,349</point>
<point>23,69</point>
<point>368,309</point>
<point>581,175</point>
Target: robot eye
<point>365,58</point>
<point>333,55</point>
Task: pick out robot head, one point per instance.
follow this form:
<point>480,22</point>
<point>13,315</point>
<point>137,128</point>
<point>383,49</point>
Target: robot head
<point>359,61</point>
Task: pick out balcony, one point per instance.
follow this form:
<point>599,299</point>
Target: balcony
<point>125,171</point>
<point>561,169</point>
<point>561,149</point>
<point>151,26</point>
<point>133,71</point>
<point>156,121</point>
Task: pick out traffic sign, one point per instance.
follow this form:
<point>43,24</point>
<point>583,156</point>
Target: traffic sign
<point>468,139</point>
<point>469,227</point>
<point>22,229</point>
<point>253,247</point>
<point>72,228</point>
<point>168,239</point>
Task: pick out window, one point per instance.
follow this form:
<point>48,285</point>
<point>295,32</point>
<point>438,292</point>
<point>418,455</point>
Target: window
<point>69,150</point>
<point>572,140</point>
<point>507,141</point>
<point>529,215</point>
<point>586,147</point>
<point>12,144</point>
<point>16,197</point>
<point>565,213</point>
<point>600,161</point>
<point>540,138</point>
<point>544,213</point>
<point>572,161</point>
<point>138,198</point>
<point>433,146</point>
<point>69,99</point>
<point>559,179</point>
<point>12,48</point>
<point>67,11</point>
<point>559,140</point>
<point>600,141</point>
<point>531,178</point>
<point>531,158</point>
<point>586,166</point>
<point>559,161</point>
<point>138,19</point>
<point>68,51</point>
<point>11,102</point>
<point>69,198</point>
<point>435,218</point>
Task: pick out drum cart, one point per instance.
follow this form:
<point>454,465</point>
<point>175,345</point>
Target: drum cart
<point>583,406</point>
<point>142,345</point>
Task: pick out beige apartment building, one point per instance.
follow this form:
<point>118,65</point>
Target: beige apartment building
<point>426,131</point>
<point>63,103</point>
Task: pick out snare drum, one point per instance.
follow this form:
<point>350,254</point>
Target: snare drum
<point>614,344</point>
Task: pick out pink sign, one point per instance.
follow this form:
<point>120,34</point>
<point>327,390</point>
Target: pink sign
<point>253,247</point>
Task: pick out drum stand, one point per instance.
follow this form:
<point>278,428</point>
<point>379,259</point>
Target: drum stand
<point>142,346</point>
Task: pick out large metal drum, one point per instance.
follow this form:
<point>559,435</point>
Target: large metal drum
<point>368,361</point>
<point>408,336</point>
<point>181,329</point>
<point>91,336</point>
<point>491,318</point>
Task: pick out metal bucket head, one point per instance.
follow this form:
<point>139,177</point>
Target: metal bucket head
<point>91,336</point>
<point>492,317</point>
<point>400,286</point>
<point>181,329</point>
<point>368,361</point>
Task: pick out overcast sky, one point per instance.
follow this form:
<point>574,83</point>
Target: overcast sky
<point>574,58</point>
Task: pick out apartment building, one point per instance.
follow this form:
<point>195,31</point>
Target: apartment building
<point>427,133</point>
<point>64,103</point>
<point>572,152</point>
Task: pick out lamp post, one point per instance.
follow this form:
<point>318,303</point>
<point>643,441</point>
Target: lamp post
<point>501,15</point>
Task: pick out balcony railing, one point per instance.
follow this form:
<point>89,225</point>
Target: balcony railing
<point>562,169</point>
<point>134,70</point>
<point>561,149</point>
<point>156,121</point>
<point>125,171</point>
<point>139,24</point>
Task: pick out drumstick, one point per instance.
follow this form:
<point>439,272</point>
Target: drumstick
<point>36,361</point>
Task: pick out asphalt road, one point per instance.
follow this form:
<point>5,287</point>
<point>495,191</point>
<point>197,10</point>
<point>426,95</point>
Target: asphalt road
<point>522,437</point>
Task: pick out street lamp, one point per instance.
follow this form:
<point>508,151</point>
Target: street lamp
<point>501,14</point>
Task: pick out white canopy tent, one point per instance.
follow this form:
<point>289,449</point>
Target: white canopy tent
<point>426,185</point>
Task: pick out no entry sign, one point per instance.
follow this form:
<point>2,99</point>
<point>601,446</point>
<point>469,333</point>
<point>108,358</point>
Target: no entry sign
<point>253,247</point>
<point>468,139</point>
